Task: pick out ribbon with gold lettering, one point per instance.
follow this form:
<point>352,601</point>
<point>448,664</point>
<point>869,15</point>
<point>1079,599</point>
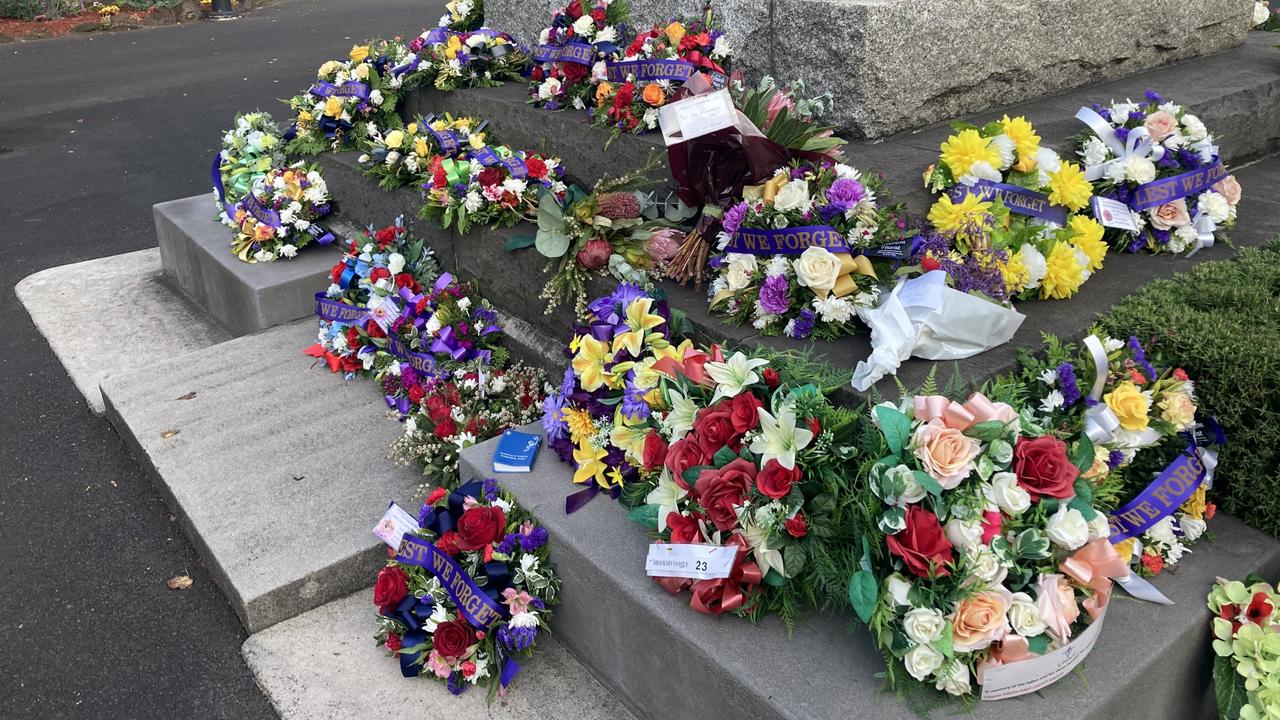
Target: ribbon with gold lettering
<point>473,603</point>
<point>1167,190</point>
<point>1161,498</point>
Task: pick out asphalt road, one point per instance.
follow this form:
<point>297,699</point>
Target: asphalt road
<point>94,129</point>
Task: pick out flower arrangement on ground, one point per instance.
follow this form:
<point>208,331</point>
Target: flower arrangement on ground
<point>401,156</point>
<point>249,150</point>
<point>462,15</point>
<point>1246,649</point>
<point>478,539</point>
<point>572,52</point>
<point>657,63</point>
<point>480,58</point>
<point>278,216</point>
<point>989,548</point>
<point>1163,163</point>
<point>494,186</point>
<point>349,96</point>
<point>596,420</point>
<point>361,305</point>
<point>795,253</point>
<point>1016,205</point>
<point>454,410</point>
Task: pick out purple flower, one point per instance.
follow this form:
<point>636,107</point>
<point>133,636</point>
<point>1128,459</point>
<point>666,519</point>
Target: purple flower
<point>844,193</point>
<point>802,325</point>
<point>566,384</point>
<point>1122,134</point>
<point>633,402</point>
<point>733,218</point>
<point>491,489</point>
<point>1153,97</point>
<point>773,294</point>
<point>536,538</point>
<point>517,638</point>
<point>1067,381</point>
<point>426,516</point>
<point>553,417</point>
<point>508,544</point>
<point>1140,357</point>
<point>1114,459</point>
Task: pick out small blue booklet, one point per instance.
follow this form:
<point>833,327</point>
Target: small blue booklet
<point>516,452</point>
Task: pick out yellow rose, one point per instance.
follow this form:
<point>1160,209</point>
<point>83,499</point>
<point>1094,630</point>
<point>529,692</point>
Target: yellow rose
<point>412,128</point>
<point>1130,405</point>
<point>676,33</point>
<point>329,68</point>
<point>333,107</point>
<point>393,138</point>
<point>476,141</point>
<point>359,53</point>
<point>304,116</point>
<point>361,72</point>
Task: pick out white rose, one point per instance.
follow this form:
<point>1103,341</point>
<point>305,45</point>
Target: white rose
<point>954,679</point>
<point>362,71</point>
<point>1215,206</point>
<point>1095,152</point>
<point>793,196</point>
<point>1261,13</point>
<point>1035,263</point>
<point>1024,616</point>
<point>549,89</point>
<point>608,34</point>
<point>898,586</point>
<point>924,625</point>
<point>1067,528</point>
<point>962,534</point>
<point>1099,527</point>
<point>921,661</point>
<point>817,269</point>
<point>739,267</point>
<point>584,26</point>
<point>395,263</point>
<point>1003,144</point>
<point>1192,528</point>
<point>986,567</point>
<point>1008,495</point>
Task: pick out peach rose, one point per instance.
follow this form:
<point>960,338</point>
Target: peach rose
<point>1056,602</point>
<point>981,620</point>
<point>654,94</point>
<point>947,455</point>
<point>1171,215</point>
<point>1229,188</point>
<point>1161,125</point>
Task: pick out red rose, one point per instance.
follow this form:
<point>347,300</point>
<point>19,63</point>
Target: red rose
<point>771,378</point>
<point>682,455</point>
<point>386,236</point>
<point>744,412</point>
<point>626,93</point>
<point>573,72</point>
<point>393,642</point>
<point>1153,563</point>
<point>353,337</point>
<point>1180,374</point>
<point>797,526</point>
<point>373,330</point>
<point>390,589</point>
<point>684,528</point>
<point>775,481</point>
<point>720,490</point>
<point>448,543</point>
<point>922,545</point>
<point>446,428</point>
<point>379,273</point>
<point>655,451</point>
<point>489,176</point>
<point>405,280</point>
<point>1043,469</point>
<point>416,394</point>
<point>435,495</point>
<point>598,15</point>
<point>574,9</point>
<point>538,74</point>
<point>714,428</point>
<point>481,526</point>
<point>451,639</point>
<point>536,168</point>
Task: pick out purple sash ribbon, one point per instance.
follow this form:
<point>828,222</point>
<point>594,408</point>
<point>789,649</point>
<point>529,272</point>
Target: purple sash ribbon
<point>1161,498</point>
<point>787,241</point>
<point>472,602</point>
<point>1159,192</point>
<point>216,176</point>
<point>574,52</point>
<point>419,361</point>
<point>1018,199</point>
<point>351,88</point>
<point>447,140</point>
<point>260,212</point>
<point>439,35</point>
<point>650,70</point>
<point>335,311</point>
<point>488,158</point>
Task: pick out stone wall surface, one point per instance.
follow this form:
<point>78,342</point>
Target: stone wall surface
<point>899,64</point>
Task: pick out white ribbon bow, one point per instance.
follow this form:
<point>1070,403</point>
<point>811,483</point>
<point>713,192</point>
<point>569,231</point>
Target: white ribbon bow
<point>1100,422</point>
<point>1205,227</point>
<point>1138,143</point>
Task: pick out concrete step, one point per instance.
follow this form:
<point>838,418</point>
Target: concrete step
<point>667,661</point>
<point>324,665</point>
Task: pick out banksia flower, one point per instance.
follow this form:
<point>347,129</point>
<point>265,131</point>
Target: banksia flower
<point>618,206</point>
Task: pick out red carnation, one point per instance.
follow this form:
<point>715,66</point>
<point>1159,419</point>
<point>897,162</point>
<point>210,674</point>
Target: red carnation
<point>353,337</point>
<point>536,168</point>
<point>416,393</point>
<point>489,177</point>
<point>405,280</point>
<point>393,642</point>
<point>379,273</point>
<point>448,543</point>
<point>598,15</point>
<point>1153,563</point>
<point>435,495</point>
<point>923,547</point>
<point>930,263</point>
<point>445,429</point>
<point>386,236</point>
<point>374,330</point>
<point>336,273</point>
<point>797,526</point>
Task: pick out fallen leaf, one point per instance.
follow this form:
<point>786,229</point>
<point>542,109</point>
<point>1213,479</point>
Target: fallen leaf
<point>179,582</point>
<point>168,434</point>
<point>188,396</point>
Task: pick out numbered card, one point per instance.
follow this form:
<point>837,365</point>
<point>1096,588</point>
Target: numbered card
<point>697,562</point>
<point>1113,214</point>
<point>696,116</point>
<point>395,522</point>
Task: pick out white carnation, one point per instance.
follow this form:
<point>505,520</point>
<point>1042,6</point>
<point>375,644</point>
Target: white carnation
<point>1214,205</point>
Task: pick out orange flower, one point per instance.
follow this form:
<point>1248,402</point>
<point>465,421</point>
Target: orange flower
<point>654,95</point>
<point>603,90</point>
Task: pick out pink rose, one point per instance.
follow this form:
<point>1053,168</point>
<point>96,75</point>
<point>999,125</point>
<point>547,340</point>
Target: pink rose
<point>1161,125</point>
<point>1170,215</point>
<point>981,619</point>
<point>946,453</point>
<point>1229,188</point>
<point>1056,602</point>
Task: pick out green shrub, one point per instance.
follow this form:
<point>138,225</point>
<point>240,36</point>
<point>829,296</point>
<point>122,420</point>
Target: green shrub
<point>1222,322</point>
<point>28,9</point>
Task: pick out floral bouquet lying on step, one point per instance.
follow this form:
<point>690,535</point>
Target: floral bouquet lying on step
<point>1246,648</point>
<point>572,52</point>
<point>480,58</point>
<point>462,15</point>
<point>1158,162</point>
<point>467,590</point>
<point>1011,202</point>
<point>401,156</point>
<point>493,186</point>
<point>278,216</point>
<point>249,150</point>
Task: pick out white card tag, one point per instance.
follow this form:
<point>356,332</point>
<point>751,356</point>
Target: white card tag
<point>1113,214</point>
<point>1032,674</point>
<point>696,116</point>
<point>1138,587</point>
<point>698,562</point>
<point>393,526</point>
<point>384,312</point>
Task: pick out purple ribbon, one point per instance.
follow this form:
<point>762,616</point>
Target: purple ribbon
<point>1159,192</point>
<point>650,70</point>
<point>351,88</point>
<point>574,52</point>
<point>447,140</point>
<point>1018,199</point>
<point>575,502</point>
<point>472,602</point>
<point>417,360</point>
<point>260,212</point>
<point>1161,498</point>
<point>340,312</point>
<point>216,176</point>
<point>787,241</point>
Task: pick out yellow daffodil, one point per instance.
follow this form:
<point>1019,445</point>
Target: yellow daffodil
<point>589,362</point>
<point>359,53</point>
<point>1086,233</point>
<point>581,426</point>
<point>1069,188</point>
<point>1025,141</point>
<point>333,107</point>
<point>640,320</point>
<point>965,221</point>
<point>962,150</point>
<point>1063,274</point>
<point>1130,405</point>
<point>591,466</point>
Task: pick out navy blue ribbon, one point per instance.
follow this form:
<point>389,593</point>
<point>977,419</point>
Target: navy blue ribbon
<point>216,176</point>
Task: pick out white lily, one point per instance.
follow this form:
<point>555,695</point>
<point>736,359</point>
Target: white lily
<point>734,375</point>
<point>757,538</point>
<point>780,439</point>
<point>666,496</point>
<point>680,419</point>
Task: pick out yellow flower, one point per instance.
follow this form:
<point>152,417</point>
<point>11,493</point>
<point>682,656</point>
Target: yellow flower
<point>452,46</point>
<point>1129,404</point>
<point>588,363</point>
<point>359,53</point>
<point>1194,506</point>
<point>393,138</point>
<point>581,426</point>
<point>628,437</point>
<point>962,150</point>
<point>304,116</point>
<point>640,320</point>
<point>971,218</point>
<point>1015,273</point>
<point>476,141</point>
<point>1064,274</point>
<point>676,33</point>
<point>420,147</point>
<point>1025,141</point>
<point>333,107</point>
<point>1069,188</point>
<point>1177,408</point>
<point>330,67</point>
<point>411,128</point>
<point>591,466</point>
<point>1086,234</point>
<point>1124,549</point>
<point>1099,469</point>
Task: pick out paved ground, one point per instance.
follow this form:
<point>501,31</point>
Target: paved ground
<point>93,130</point>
